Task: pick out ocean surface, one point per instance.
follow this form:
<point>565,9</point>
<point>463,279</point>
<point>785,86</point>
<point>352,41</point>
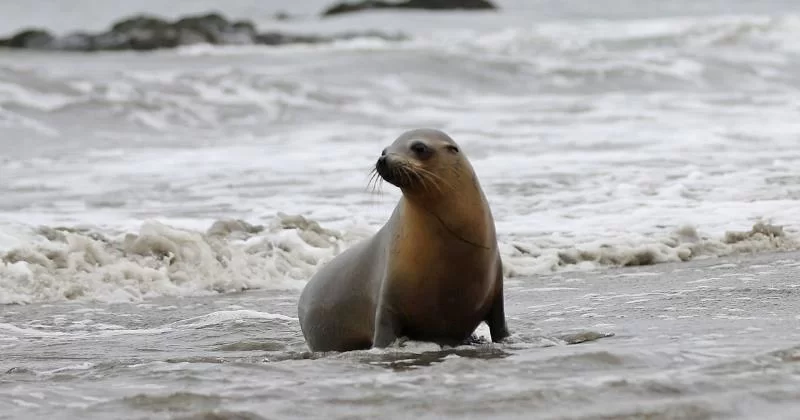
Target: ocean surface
<point>161,211</point>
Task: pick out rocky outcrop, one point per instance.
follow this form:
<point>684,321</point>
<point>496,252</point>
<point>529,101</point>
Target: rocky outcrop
<point>33,37</point>
<point>410,4</point>
<point>145,33</point>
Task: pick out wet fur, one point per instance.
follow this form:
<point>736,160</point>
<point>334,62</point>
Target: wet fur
<point>432,272</point>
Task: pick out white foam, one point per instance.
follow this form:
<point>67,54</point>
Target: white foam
<point>42,100</point>
<point>219,317</point>
<point>10,331</point>
<point>162,260</point>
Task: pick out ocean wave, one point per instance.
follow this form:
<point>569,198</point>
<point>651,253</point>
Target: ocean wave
<point>231,87</point>
<point>59,263</point>
<point>167,101</point>
<point>585,36</point>
<point>357,42</point>
<point>67,263</point>
<point>749,52</point>
<point>660,54</point>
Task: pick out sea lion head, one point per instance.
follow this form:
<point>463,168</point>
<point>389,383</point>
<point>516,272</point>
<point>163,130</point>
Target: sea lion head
<point>435,176</point>
<point>423,161</point>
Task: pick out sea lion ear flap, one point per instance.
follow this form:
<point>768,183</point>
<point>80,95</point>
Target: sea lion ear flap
<point>452,148</point>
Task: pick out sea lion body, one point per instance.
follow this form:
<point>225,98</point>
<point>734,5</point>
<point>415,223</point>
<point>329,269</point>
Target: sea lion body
<point>431,273</point>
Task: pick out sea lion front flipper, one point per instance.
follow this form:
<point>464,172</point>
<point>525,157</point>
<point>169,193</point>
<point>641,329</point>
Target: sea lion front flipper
<point>386,327</point>
<point>496,317</point>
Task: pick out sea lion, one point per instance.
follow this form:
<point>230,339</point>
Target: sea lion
<point>431,273</point>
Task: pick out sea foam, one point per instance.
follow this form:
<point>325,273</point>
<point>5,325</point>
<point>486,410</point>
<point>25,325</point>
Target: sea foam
<point>59,263</point>
<point>161,260</point>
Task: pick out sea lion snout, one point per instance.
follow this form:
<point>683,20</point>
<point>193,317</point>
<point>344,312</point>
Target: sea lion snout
<point>387,168</point>
<point>410,161</point>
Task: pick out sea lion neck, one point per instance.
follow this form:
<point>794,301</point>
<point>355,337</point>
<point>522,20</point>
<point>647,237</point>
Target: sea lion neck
<point>466,220</point>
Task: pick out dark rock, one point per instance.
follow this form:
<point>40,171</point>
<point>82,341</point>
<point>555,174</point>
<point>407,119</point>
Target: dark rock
<point>146,40</point>
<point>218,30</point>
<point>139,23</point>
<point>144,33</point>
<point>410,4</point>
<point>207,23</point>
<point>78,41</point>
<point>244,26</point>
<point>190,37</point>
<point>371,34</point>
<point>31,38</point>
<point>111,41</point>
<point>241,33</point>
<point>277,38</point>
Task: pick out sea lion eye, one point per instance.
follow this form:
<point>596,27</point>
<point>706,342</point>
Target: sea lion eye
<point>421,150</point>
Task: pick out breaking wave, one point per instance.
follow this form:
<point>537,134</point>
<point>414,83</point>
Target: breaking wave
<point>59,263</point>
<point>231,86</point>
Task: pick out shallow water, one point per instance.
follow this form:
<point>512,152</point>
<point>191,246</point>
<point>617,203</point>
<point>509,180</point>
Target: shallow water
<point>700,340</point>
<point>160,212</point>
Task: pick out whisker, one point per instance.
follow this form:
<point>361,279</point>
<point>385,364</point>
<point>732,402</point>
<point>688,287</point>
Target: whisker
<point>404,172</point>
<point>371,178</point>
<point>375,182</point>
<point>379,184</point>
<point>375,179</point>
<point>422,180</point>
<point>435,179</point>
<point>417,178</point>
<point>427,180</point>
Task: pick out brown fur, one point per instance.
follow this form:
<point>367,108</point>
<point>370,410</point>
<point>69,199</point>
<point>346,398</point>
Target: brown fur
<point>432,272</point>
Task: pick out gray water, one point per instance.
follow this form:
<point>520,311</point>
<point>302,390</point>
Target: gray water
<point>160,212</point>
<point>715,339</point>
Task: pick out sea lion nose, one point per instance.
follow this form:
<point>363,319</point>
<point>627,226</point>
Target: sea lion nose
<point>382,160</point>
